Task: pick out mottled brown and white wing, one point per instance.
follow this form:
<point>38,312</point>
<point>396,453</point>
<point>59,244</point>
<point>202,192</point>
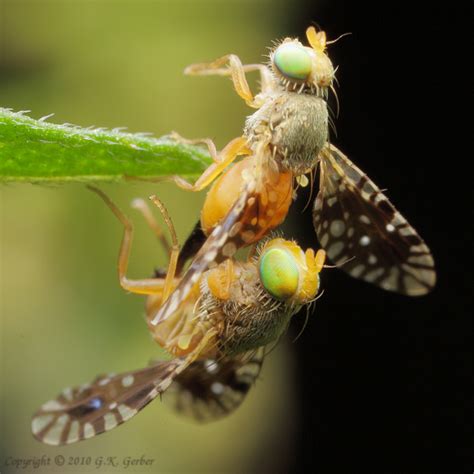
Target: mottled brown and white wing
<point>223,242</point>
<point>91,409</point>
<point>361,230</point>
<point>210,389</point>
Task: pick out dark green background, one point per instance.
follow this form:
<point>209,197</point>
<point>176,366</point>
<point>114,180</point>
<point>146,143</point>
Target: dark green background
<point>64,317</point>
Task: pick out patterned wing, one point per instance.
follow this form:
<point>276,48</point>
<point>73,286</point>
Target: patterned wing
<point>358,227</point>
<point>211,389</point>
<point>226,238</point>
<point>88,410</point>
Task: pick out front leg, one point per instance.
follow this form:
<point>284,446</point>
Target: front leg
<point>237,70</point>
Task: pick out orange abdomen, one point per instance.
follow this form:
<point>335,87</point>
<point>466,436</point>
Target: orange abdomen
<point>274,194</point>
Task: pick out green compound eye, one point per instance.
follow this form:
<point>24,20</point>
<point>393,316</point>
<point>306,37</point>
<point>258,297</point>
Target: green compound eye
<point>279,273</point>
<point>293,61</point>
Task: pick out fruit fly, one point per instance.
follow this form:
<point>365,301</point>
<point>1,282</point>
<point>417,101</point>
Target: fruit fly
<point>285,139</point>
<point>218,336</point>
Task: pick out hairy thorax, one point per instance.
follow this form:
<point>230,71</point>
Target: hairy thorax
<point>296,125</point>
<point>249,316</point>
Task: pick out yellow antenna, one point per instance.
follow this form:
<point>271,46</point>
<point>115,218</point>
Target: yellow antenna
<point>317,39</point>
<point>320,258</point>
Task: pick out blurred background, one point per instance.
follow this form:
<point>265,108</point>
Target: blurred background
<point>376,379</point>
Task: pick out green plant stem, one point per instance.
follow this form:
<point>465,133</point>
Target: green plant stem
<point>38,151</point>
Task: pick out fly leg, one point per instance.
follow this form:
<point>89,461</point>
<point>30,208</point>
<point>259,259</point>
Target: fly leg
<point>142,206</point>
<point>174,254</point>
<point>231,65</point>
<point>146,286</point>
<point>222,159</point>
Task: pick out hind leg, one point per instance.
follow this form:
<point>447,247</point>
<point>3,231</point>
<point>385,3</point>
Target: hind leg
<point>146,286</point>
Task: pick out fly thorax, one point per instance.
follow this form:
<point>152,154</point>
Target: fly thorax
<point>295,125</point>
<point>251,317</point>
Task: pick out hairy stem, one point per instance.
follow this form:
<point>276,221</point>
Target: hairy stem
<point>38,151</point>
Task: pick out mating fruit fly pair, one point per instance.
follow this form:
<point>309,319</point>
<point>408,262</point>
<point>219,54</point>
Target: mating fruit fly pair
<point>218,315</point>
